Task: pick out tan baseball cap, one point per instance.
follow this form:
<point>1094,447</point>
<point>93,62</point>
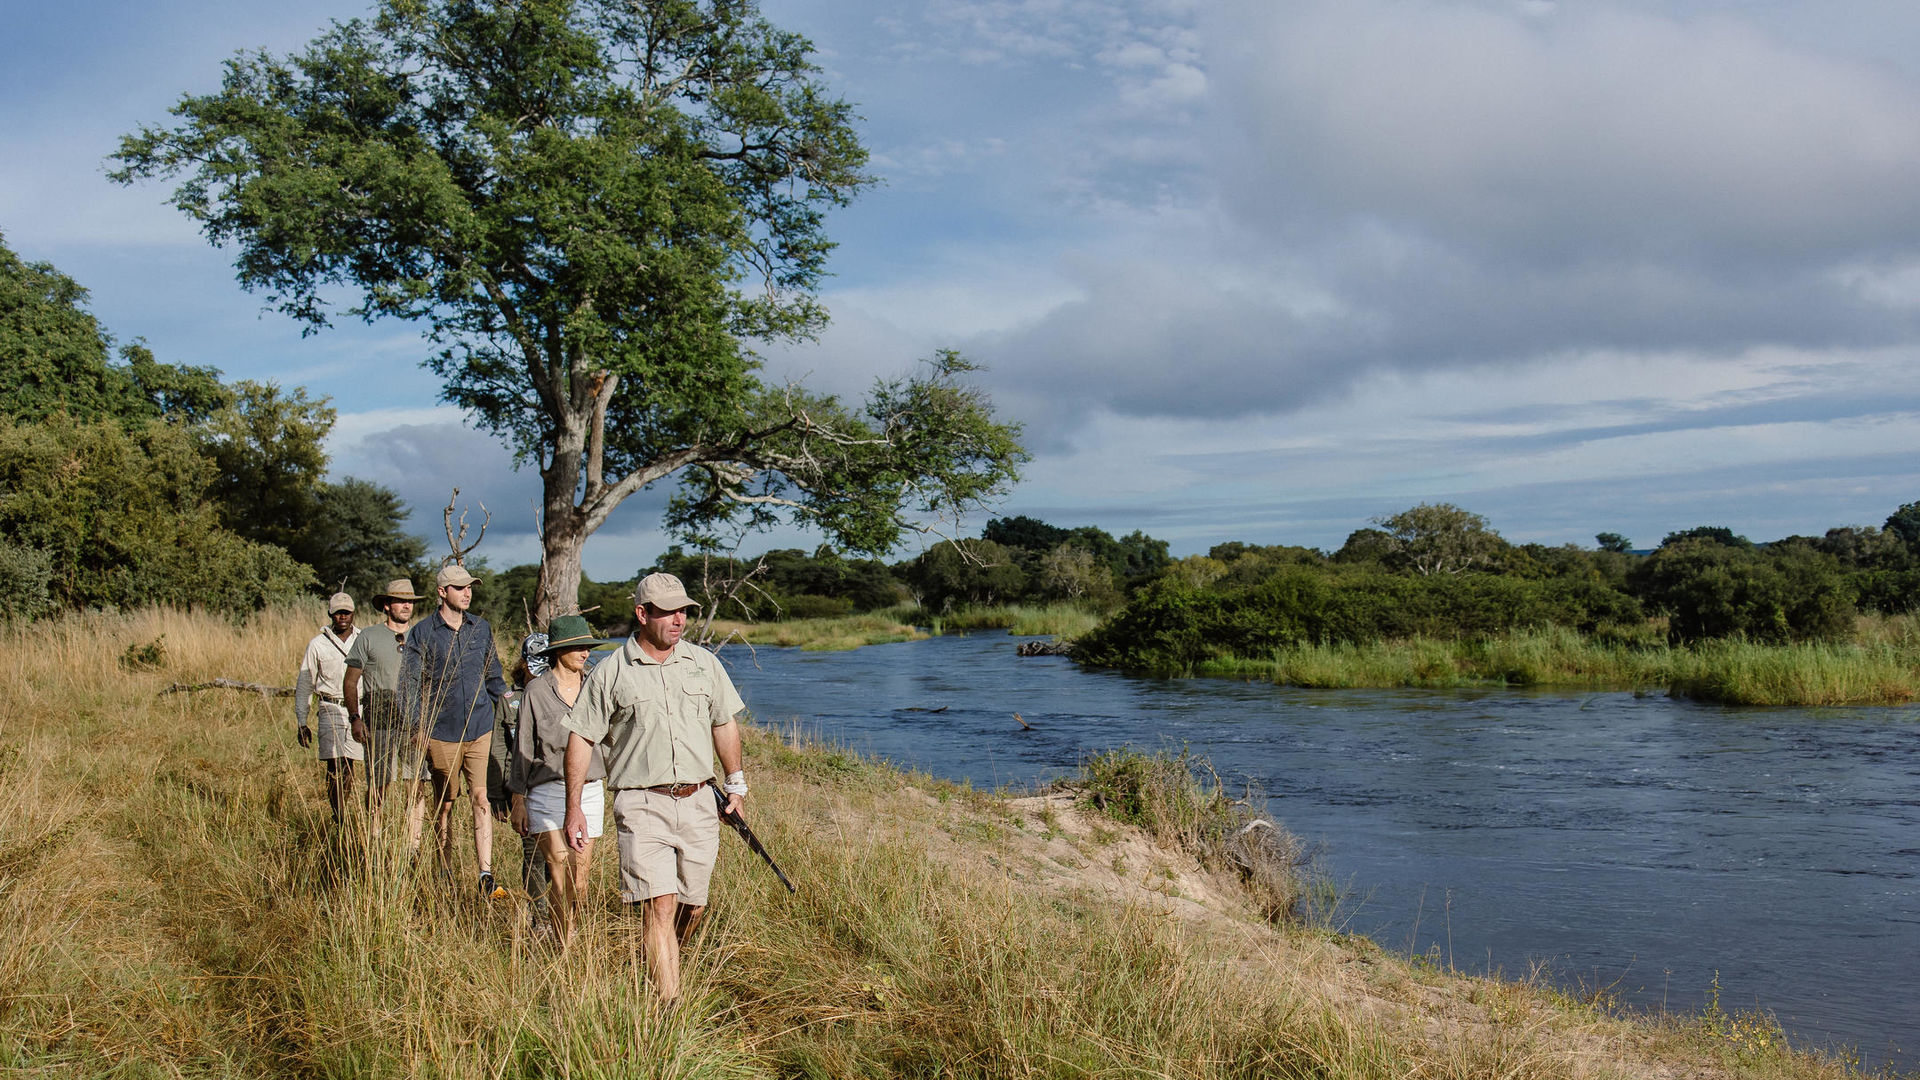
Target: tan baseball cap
<point>663,591</point>
<point>339,602</point>
<point>455,575</point>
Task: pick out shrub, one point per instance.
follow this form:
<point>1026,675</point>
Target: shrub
<point>25,574</point>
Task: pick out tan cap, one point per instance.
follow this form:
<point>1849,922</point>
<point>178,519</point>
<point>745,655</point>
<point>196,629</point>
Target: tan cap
<point>452,575</point>
<point>339,602</point>
<point>398,589</point>
<point>663,591</point>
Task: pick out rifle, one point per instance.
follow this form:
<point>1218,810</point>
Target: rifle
<point>739,825</point>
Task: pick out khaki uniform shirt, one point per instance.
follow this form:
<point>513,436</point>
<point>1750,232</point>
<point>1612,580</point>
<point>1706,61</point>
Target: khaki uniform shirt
<point>377,654</point>
<point>321,671</point>
<point>655,719</point>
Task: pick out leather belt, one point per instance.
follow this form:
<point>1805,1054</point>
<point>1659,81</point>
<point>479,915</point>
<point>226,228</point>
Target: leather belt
<point>678,791</point>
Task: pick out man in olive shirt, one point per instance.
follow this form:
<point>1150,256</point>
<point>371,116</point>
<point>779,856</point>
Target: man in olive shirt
<point>373,672</point>
<point>662,710</point>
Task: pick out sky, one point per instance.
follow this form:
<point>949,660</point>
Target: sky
<point>1256,270</point>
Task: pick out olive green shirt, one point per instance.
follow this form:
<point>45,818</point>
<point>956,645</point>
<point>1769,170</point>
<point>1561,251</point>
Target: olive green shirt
<point>377,655</point>
<point>654,719</point>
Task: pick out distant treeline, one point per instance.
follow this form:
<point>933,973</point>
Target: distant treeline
<point>1439,571</point>
<point>1434,571</point>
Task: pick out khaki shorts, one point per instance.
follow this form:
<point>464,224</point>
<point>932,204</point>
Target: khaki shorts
<point>447,760</point>
<point>667,845</point>
<point>333,736</point>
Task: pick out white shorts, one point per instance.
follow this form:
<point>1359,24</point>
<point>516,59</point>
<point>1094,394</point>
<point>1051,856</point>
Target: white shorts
<point>332,735</point>
<point>547,807</point>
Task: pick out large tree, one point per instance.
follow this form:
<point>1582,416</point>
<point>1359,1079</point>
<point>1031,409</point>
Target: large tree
<point>596,208</point>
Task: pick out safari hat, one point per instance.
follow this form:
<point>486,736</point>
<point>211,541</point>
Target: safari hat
<point>663,591</point>
<point>455,575</point>
<point>339,602</point>
<point>399,589</point>
<point>569,632</point>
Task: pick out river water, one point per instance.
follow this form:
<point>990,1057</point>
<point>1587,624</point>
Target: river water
<point>1636,843</point>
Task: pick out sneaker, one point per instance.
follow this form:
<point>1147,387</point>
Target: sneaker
<point>488,889</point>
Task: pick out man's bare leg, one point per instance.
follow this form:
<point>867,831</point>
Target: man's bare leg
<point>482,828</point>
<point>419,792</point>
<point>339,786</point>
<point>663,945</point>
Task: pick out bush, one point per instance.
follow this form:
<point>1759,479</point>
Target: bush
<point>121,520</point>
<point>1712,590</point>
<point>1173,627</point>
<point>25,574</point>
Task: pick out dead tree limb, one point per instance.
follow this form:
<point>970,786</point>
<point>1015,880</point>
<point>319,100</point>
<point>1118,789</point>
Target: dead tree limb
<point>229,684</point>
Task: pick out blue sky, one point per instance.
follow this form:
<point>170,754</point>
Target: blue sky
<point>1249,269</point>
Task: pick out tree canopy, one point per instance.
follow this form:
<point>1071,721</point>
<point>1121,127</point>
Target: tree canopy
<point>56,357</point>
<point>595,208</point>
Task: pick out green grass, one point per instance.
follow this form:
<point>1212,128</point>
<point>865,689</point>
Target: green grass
<point>822,635</point>
<point>1882,668</point>
<point>1063,620</point>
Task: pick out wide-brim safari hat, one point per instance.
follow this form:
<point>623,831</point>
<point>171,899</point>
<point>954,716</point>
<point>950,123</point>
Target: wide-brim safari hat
<point>399,589</point>
<point>570,632</point>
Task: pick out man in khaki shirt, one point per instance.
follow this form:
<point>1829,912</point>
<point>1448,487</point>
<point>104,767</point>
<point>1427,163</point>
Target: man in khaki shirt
<point>662,710</point>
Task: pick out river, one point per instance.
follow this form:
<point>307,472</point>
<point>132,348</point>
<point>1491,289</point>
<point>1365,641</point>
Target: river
<point>1630,842</point>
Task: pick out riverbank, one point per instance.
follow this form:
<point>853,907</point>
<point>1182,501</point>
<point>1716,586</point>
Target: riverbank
<point>1882,668</point>
<point>218,929</point>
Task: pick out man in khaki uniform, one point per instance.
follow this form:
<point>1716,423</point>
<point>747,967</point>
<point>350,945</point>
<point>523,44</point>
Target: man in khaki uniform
<point>322,673</point>
<point>662,710</point>
<point>373,671</point>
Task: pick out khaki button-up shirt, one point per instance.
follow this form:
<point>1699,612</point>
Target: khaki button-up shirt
<point>322,669</point>
<point>655,719</point>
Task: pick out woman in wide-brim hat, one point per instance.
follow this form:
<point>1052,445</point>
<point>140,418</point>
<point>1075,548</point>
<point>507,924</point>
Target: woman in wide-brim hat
<point>537,774</point>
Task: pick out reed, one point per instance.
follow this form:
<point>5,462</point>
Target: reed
<point>821,635</point>
<point>178,903</point>
<point>1882,668</point>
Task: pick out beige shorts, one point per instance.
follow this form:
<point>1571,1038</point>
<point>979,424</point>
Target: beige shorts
<point>447,760</point>
<point>332,735</point>
<point>667,845</point>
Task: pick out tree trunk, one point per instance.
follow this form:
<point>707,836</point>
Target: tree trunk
<point>559,589</point>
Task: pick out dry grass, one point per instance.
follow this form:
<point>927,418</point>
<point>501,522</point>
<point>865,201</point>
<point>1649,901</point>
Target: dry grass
<point>176,903</point>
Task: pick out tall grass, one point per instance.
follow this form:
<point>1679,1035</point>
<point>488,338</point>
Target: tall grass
<point>176,902</point>
<point>1883,668</point>
<point>834,634</point>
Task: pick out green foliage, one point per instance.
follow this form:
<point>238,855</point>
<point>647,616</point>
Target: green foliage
<point>1709,589</point>
<point>595,208</point>
<point>1439,538</point>
<point>1025,532</point>
<point>55,357</point>
<point>25,575</point>
<point>1713,534</point>
<point>1612,541</point>
<point>121,519</point>
<point>1172,627</point>
<point>783,584</point>
<point>1905,523</point>
<point>965,571</point>
<point>269,462</point>
<point>354,536</point>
